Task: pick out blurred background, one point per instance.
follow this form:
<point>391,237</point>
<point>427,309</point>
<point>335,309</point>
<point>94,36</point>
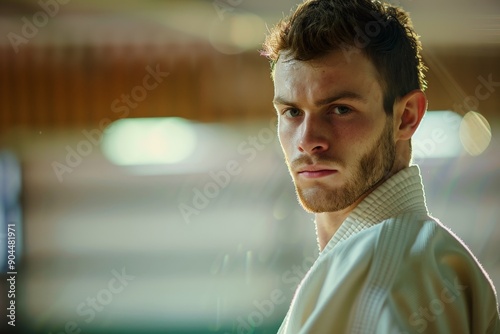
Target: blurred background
<point>140,169</point>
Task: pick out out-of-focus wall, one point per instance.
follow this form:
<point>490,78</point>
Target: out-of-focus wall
<point>235,261</point>
<point>54,86</point>
<point>74,86</point>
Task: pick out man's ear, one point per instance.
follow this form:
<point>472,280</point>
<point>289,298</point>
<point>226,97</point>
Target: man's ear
<point>408,112</point>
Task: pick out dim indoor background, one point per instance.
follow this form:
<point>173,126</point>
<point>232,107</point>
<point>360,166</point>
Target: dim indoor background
<point>139,162</point>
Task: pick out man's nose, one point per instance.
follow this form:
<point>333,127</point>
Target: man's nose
<point>311,138</point>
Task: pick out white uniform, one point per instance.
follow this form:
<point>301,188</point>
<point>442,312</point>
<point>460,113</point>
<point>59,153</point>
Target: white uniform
<point>391,268</point>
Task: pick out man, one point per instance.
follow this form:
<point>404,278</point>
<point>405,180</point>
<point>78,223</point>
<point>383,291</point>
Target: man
<point>349,87</point>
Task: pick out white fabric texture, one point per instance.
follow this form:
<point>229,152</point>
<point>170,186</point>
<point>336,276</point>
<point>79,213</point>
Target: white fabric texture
<point>391,268</point>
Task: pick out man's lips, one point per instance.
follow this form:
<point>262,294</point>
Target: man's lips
<point>312,172</point>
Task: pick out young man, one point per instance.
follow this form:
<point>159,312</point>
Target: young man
<point>349,87</point>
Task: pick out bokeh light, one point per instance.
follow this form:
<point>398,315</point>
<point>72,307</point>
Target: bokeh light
<point>475,133</point>
<point>144,141</point>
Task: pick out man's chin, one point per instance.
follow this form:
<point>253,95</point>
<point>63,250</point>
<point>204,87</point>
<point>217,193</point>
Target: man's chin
<point>321,205</point>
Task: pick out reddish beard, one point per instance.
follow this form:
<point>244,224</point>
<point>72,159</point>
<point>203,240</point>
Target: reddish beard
<point>370,169</point>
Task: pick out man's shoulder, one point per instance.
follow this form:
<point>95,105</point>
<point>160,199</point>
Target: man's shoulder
<point>415,236</point>
<point>424,236</point>
<point>431,251</point>
<point>423,240</point>
<point>418,261</point>
<point>409,243</point>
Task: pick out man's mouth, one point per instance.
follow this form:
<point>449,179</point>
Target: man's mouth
<point>316,171</point>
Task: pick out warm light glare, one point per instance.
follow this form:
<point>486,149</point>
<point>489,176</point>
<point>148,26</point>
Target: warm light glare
<point>247,31</point>
<point>149,141</point>
<point>475,133</point>
<point>237,33</point>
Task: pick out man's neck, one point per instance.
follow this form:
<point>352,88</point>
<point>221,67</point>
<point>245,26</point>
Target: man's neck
<point>327,223</point>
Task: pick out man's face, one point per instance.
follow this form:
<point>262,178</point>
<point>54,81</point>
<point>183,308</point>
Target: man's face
<point>337,140</point>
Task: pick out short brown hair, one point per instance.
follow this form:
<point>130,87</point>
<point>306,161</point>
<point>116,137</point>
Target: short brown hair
<point>384,33</point>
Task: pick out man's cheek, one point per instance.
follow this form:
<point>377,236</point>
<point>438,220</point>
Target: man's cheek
<point>284,139</point>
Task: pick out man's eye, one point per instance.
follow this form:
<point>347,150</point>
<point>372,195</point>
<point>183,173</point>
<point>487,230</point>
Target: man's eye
<point>341,110</point>
<point>292,112</point>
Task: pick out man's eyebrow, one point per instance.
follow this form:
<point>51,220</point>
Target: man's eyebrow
<point>338,96</point>
<point>282,101</point>
<point>341,95</point>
